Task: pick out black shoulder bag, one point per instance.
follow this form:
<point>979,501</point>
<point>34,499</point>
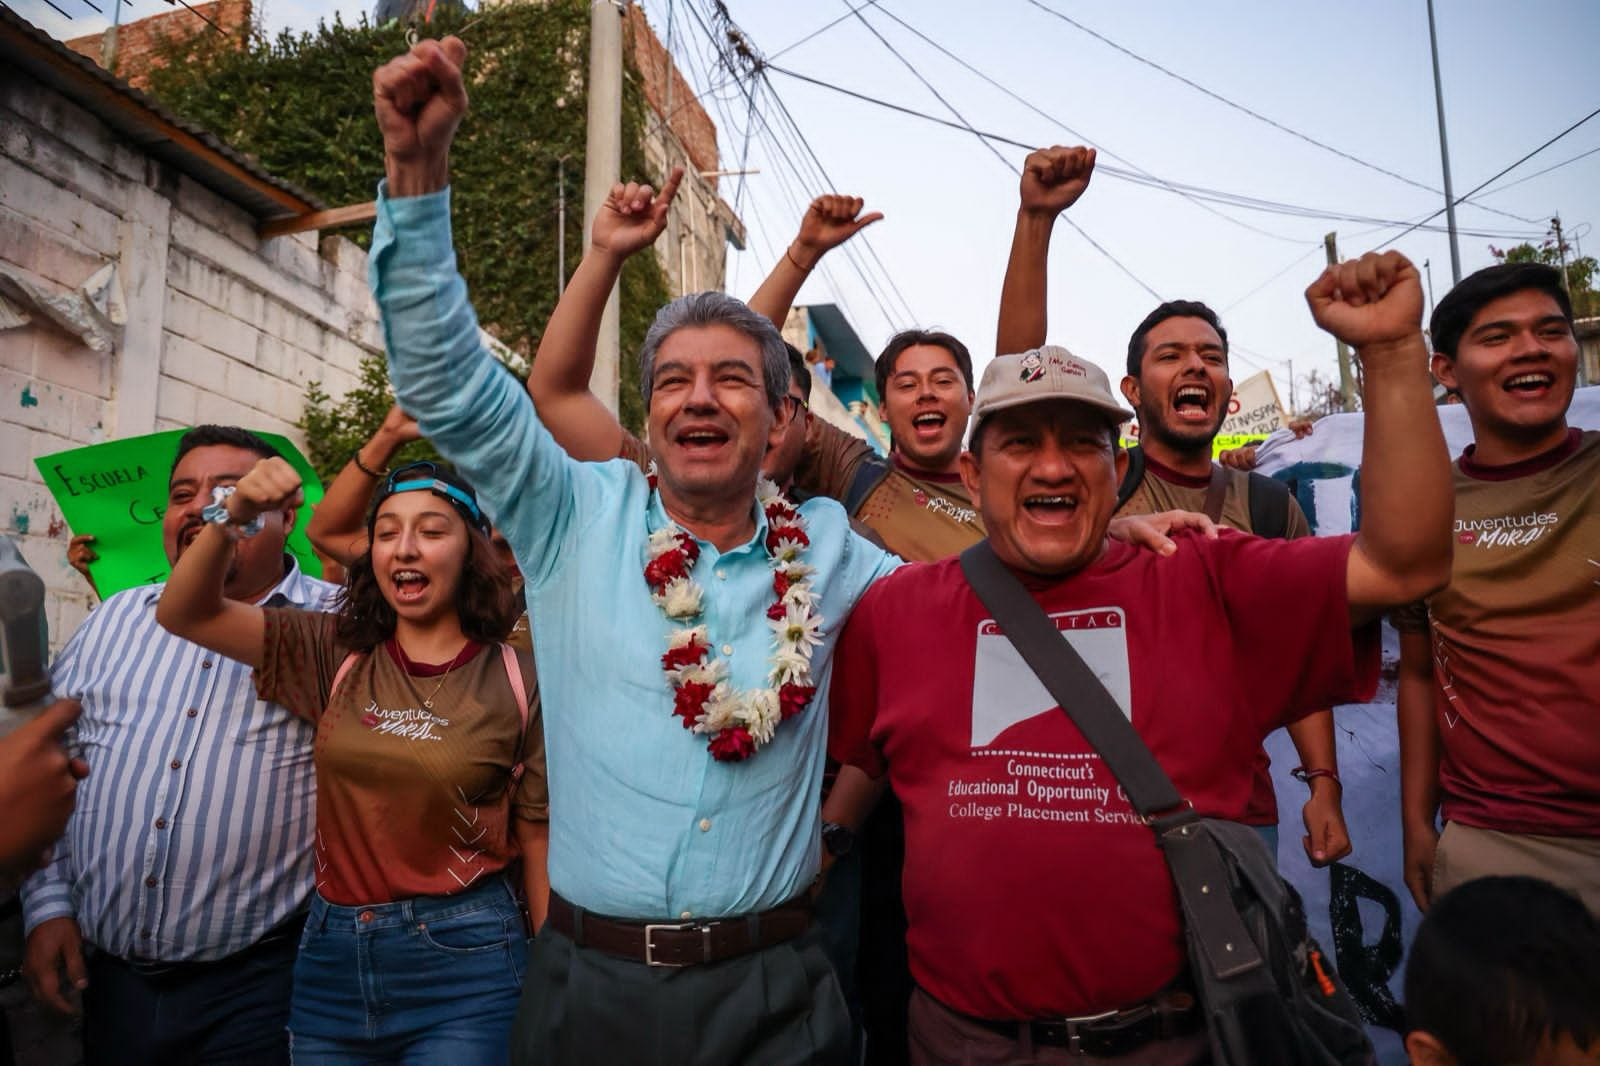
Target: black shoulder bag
<point>1269,995</point>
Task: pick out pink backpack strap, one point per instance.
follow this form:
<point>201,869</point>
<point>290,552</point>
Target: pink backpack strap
<point>508,655</point>
<point>344,668</point>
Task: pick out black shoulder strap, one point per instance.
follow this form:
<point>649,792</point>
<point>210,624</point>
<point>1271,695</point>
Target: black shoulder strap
<point>868,476</point>
<point>1070,682</point>
<point>1269,506</point>
<point>1131,479</point>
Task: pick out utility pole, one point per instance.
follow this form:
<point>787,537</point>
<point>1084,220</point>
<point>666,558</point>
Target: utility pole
<point>108,43</point>
<point>1347,386</point>
<point>1427,268</point>
<point>602,167</point>
<point>1294,408</point>
<point>1561,250</point>
<point>1444,154</point>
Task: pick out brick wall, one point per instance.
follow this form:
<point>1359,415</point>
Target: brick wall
<point>140,44</point>
<point>222,327</point>
<point>688,120</point>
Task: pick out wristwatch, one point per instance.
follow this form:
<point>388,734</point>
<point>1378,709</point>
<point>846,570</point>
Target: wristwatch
<point>216,512</point>
<point>837,839</point>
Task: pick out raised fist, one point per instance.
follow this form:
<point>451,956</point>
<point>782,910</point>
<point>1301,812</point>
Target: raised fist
<point>828,223</point>
<point>1054,178</point>
<point>39,782</point>
<point>420,99</point>
<point>271,485</point>
<point>398,427</point>
<point>1374,300</point>
<point>633,216</point>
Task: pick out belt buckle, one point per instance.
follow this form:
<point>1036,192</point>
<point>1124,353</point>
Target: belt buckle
<point>670,927</point>
<point>1074,1038</point>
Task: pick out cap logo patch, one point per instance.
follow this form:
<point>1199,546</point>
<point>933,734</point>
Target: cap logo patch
<point>1032,368</point>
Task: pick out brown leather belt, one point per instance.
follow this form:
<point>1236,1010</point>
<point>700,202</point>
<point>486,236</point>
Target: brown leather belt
<point>686,943</point>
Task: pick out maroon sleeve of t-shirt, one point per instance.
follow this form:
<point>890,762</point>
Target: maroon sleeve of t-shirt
<point>853,693</point>
<point>1289,609</point>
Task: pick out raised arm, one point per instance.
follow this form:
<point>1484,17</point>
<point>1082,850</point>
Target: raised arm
<point>828,223</point>
<point>338,526</point>
<point>631,219</point>
<point>192,605</point>
<point>1052,181</point>
<point>1402,553</point>
<point>1419,764</point>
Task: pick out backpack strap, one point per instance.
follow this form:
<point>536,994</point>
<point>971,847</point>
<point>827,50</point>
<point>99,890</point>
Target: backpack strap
<point>339,674</point>
<point>868,476</point>
<point>1216,493</point>
<point>1269,506</point>
<point>508,656</point>
<point>1132,479</point>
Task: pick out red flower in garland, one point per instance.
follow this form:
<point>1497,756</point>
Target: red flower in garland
<point>780,584</point>
<point>689,699</point>
<point>732,745</point>
<point>781,533</point>
<point>687,655</point>
<point>792,699</point>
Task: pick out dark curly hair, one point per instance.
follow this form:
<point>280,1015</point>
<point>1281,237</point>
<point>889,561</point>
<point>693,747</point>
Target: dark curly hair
<point>485,599</point>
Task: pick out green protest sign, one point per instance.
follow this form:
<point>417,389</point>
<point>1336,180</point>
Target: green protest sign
<point>117,493</point>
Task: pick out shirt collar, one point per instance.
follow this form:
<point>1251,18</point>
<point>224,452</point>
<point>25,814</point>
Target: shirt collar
<point>297,588</point>
<point>656,517</point>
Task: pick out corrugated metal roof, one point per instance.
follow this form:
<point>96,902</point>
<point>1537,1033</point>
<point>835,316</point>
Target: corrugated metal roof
<point>155,130</point>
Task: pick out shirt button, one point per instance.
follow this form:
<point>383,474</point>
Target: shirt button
<point>150,881</point>
<point>192,711</point>
<point>727,649</point>
<point>365,916</point>
<point>686,915</point>
<point>722,575</point>
<point>205,664</point>
<point>161,823</point>
<point>177,763</point>
<point>144,934</point>
<point>705,825</point>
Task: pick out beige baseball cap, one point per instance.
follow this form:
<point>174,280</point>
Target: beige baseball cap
<point>1047,373</point>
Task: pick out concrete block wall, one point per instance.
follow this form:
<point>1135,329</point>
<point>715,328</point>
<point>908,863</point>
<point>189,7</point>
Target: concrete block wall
<point>222,326</point>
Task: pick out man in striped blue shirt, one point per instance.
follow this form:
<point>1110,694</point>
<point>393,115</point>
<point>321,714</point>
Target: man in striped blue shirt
<point>186,868</point>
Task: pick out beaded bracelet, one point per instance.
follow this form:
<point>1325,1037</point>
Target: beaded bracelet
<point>363,467</point>
<point>1300,773</point>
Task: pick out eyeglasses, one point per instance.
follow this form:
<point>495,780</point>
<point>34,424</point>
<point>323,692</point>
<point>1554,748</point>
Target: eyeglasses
<point>800,405</point>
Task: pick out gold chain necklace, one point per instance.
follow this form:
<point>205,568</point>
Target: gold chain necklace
<point>406,661</point>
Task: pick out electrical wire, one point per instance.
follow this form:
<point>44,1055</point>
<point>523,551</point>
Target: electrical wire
<point>1241,200</point>
<point>1297,261</point>
<point>1495,178</point>
<point>1010,166</point>
<point>1250,111</point>
<point>1541,173</point>
<point>1079,137</point>
<point>821,29</point>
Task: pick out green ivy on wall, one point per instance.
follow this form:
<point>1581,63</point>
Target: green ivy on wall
<point>302,106</point>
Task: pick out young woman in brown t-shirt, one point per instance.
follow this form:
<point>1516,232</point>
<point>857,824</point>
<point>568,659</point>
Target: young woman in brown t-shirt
<point>429,763</point>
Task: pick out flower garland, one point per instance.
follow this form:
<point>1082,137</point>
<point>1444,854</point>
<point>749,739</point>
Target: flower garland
<point>738,722</point>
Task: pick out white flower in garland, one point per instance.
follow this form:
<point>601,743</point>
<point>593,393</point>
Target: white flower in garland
<point>738,722</point>
<point>680,599</point>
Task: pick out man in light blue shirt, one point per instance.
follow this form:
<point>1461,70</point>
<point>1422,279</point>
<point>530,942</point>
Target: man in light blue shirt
<point>684,812</point>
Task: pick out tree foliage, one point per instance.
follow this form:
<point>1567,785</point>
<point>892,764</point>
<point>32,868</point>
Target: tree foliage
<point>301,104</point>
<point>1580,269</point>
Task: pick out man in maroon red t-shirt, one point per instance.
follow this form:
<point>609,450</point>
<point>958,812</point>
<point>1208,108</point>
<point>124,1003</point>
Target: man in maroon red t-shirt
<point>1041,912</point>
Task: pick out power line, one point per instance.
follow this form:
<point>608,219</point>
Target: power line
<point>1497,176</point>
<point>1081,138</point>
<point>1249,111</point>
<point>1241,200</point>
<point>1119,264</point>
<point>1297,261</point>
<point>821,29</point>
<point>1541,173</point>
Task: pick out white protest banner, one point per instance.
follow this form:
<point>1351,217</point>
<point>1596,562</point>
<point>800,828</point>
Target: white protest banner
<point>1360,909</point>
<point>1254,409</point>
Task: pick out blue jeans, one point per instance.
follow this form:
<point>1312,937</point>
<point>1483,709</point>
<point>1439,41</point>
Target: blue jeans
<point>427,980</point>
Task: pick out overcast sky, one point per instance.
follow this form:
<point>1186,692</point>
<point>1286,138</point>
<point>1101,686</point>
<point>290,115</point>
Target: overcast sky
<point>1355,76</point>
